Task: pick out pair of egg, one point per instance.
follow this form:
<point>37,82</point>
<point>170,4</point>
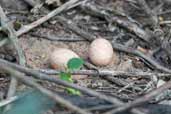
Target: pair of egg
<point>100,53</point>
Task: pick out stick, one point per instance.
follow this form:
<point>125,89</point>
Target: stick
<point>30,2</point>
<point>149,12</point>
<point>58,38</point>
<point>13,38</point>
<point>72,26</point>
<point>8,101</point>
<point>142,56</point>
<point>30,82</point>
<point>38,22</point>
<point>61,82</point>
<point>142,100</point>
<point>101,72</point>
<point>12,35</point>
<point>123,22</point>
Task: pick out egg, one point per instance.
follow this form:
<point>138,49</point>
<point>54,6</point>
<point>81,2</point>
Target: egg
<point>100,52</point>
<point>59,59</point>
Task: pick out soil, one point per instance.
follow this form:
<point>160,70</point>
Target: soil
<point>38,49</point>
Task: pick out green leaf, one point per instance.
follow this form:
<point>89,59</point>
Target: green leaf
<point>66,77</point>
<point>75,63</point>
<point>73,91</point>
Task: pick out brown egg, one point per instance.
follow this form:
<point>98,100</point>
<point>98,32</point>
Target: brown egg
<point>59,59</point>
<point>100,52</point>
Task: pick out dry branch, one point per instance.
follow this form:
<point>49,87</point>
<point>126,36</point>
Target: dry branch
<point>30,82</point>
<point>72,26</point>
<point>42,76</point>
<point>120,20</point>
<point>14,40</point>
<point>149,12</point>
<point>103,73</point>
<point>142,100</point>
<point>38,22</point>
<point>142,56</point>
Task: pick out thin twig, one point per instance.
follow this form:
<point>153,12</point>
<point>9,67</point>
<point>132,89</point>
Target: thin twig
<point>142,56</point>
<point>101,72</point>
<point>29,81</point>
<point>58,38</point>
<point>3,42</point>
<point>12,35</point>
<point>121,21</point>
<point>142,100</point>
<point>30,2</point>
<point>8,101</point>
<point>42,76</point>
<point>38,22</point>
<point>149,12</point>
<point>14,40</point>
<point>72,26</point>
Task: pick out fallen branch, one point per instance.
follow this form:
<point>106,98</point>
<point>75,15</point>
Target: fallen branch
<point>57,38</point>
<point>120,20</point>
<point>42,76</point>
<point>72,26</point>
<point>149,12</point>
<point>30,2</point>
<point>142,100</point>
<point>142,56</point>
<point>28,81</point>
<point>12,35</point>
<point>14,40</point>
<point>103,73</point>
<point>127,50</point>
<point>38,22</point>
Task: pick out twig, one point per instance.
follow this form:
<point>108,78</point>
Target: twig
<point>121,21</point>
<point>72,26</point>
<point>8,101</point>
<point>30,2</point>
<point>165,22</point>
<point>69,24</point>
<point>131,51</point>
<point>103,73</point>
<point>142,100</point>
<point>13,38</point>
<point>149,12</point>
<point>38,22</point>
<point>142,56</point>
<point>12,35</point>
<point>30,82</point>
<point>3,42</point>
<point>42,76</point>
<point>57,38</point>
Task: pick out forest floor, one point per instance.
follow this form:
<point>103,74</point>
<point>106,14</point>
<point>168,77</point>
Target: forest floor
<point>138,30</point>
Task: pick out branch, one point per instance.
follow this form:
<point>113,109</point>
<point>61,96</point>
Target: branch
<point>29,81</point>
<point>42,76</point>
<point>5,22</point>
<point>120,20</point>
<point>142,56</point>
<point>103,73</point>
<point>13,38</point>
<point>38,22</point>
<point>149,12</point>
<point>142,100</point>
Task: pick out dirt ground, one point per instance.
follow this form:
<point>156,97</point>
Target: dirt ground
<point>37,49</point>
